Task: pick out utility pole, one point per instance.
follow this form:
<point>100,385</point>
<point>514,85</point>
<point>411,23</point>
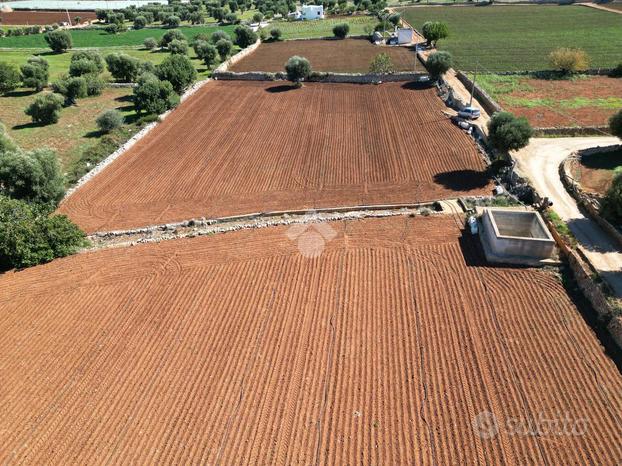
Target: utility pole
<point>473,87</point>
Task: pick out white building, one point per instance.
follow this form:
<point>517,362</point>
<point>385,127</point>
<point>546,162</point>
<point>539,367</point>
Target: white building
<point>308,12</point>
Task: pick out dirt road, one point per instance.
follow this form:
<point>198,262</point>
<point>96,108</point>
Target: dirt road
<point>601,7</point>
<point>540,162</point>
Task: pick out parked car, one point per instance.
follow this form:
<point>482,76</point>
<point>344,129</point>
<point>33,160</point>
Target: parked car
<point>470,113</point>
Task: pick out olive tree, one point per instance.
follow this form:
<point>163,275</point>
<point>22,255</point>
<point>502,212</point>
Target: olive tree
<point>341,31</point>
<point>59,40</point>
<point>86,62</point>
<point>9,78</point>
<point>568,60</point>
<point>438,64</point>
<point>35,73</point>
<point>45,109</point>
<point>109,120</point>
<point>224,48</point>
<point>154,96</point>
<point>178,70</point>
<point>611,204</point>
<point>433,31</point>
<point>507,132</point>
<point>615,124</point>
<point>297,69</point>
<point>123,67</point>
<point>244,36</point>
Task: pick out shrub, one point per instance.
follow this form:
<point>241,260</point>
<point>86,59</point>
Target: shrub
<point>6,143</point>
<point>224,48</point>
<point>29,235</point>
<point>244,36</point>
<point>169,36</point>
<point>297,69</point>
<point>178,47</point>
<point>9,78</point>
<point>109,120</point>
<point>216,36</point>
<point>122,67</point>
<point>257,18</point>
<point>45,108</point>
<point>433,31</point>
<point>86,62</point>
<point>615,124</point>
<point>59,40</point>
<point>94,84</point>
<point>112,28</point>
<point>395,19</point>
<point>35,73</point>
<point>568,60</point>
<point>341,30</point>
<point>438,63</point>
<point>507,132</point>
<point>611,204</point>
<point>381,64</point>
<point>32,176</point>
<point>173,21</point>
<point>276,34</point>
<point>150,43</point>
<point>140,22</point>
<point>178,70</point>
<point>154,96</point>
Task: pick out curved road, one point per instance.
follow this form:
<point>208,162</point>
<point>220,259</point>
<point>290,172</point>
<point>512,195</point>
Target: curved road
<point>540,161</point>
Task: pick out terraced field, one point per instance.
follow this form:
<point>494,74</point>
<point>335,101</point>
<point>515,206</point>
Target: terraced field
<point>511,38</point>
<point>237,349</point>
<point>244,147</point>
<point>344,56</point>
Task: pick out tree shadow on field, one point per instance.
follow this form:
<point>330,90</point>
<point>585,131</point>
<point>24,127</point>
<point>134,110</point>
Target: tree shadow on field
<point>24,93</point>
<point>462,180</point>
<point>29,125</point>
<point>125,98</point>
<point>281,88</point>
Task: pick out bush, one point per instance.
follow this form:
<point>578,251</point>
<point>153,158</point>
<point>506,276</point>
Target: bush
<point>154,96</point>
<point>6,143</point>
<point>568,60</point>
<point>615,124</point>
<point>86,62</point>
<point>216,36</point>
<point>178,70</point>
<point>433,31</point>
<point>507,132</point>
<point>59,40</point>
<point>438,63</point>
<point>170,36</point>
<point>122,67</point>
<point>140,22</point>
<point>231,18</point>
<point>35,73</point>
<point>178,47</point>
<point>244,36</point>
<point>9,78</point>
<point>381,64</point>
<point>112,28</point>
<point>395,19</point>
<point>224,48</point>
<point>45,109</point>
<point>611,204</point>
<point>276,34</point>
<point>341,30</point>
<point>172,21</point>
<point>150,43</point>
<point>109,120</point>
<point>29,235</point>
<point>297,69</point>
<point>257,18</point>
<point>32,176</point>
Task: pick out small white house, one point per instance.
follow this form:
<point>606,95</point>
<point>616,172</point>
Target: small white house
<point>309,12</point>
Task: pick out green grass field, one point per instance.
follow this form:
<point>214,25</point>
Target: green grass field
<point>91,38</point>
<point>511,38</point>
<point>323,27</point>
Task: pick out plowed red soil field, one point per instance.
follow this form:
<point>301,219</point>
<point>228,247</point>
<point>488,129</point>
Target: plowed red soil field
<point>24,18</point>
<point>342,56</point>
<point>244,147</point>
<point>236,349</point>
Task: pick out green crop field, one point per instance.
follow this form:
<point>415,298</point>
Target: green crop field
<point>322,27</point>
<point>95,37</point>
<point>511,38</point>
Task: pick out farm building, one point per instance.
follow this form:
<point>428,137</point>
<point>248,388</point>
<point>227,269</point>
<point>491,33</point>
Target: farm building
<point>309,12</point>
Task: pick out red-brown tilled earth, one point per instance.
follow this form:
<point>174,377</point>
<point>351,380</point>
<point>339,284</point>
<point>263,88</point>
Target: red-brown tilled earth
<point>236,349</point>
<point>43,17</point>
<point>246,147</point>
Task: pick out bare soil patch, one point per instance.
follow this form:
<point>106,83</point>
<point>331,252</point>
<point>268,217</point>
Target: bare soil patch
<point>24,18</point>
<point>238,148</point>
<point>342,56</point>
<point>595,172</point>
<point>587,101</point>
<point>237,349</point>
